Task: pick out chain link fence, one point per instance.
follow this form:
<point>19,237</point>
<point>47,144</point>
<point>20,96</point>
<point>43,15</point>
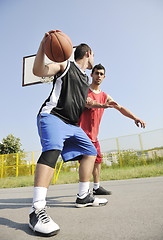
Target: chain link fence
<point>132,150</point>
<point>145,148</point>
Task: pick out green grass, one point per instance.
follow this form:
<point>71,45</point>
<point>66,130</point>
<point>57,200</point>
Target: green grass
<point>132,172</point>
<point>153,170</point>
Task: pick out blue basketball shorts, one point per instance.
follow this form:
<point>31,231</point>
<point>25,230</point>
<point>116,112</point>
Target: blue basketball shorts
<point>71,140</point>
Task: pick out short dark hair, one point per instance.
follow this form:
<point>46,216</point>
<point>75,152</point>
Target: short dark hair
<point>99,67</point>
<point>81,50</point>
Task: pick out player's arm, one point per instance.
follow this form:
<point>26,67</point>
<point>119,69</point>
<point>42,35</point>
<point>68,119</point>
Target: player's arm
<point>110,103</point>
<point>90,103</point>
<point>41,69</point>
<point>127,113</point>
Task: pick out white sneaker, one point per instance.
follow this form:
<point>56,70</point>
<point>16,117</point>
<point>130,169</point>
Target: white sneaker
<point>41,223</point>
<point>90,200</point>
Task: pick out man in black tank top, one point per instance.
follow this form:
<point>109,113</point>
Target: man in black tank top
<point>59,133</point>
<point>71,95</point>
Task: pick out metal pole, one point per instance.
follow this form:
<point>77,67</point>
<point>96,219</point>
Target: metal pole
<point>120,159</point>
<point>54,180</point>
<point>17,164</point>
<point>2,166</point>
<point>143,154</point>
<point>33,163</point>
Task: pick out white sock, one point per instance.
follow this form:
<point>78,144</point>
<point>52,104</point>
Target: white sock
<point>96,186</point>
<point>83,189</point>
<point>39,195</point>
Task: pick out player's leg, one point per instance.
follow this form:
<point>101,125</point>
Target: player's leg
<point>51,139</point>
<point>43,175</point>
<point>97,189</point>
<point>84,197</point>
<point>39,221</point>
<point>96,172</point>
<point>86,168</point>
<point>79,147</point>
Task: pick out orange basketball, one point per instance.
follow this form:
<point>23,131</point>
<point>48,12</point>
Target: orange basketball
<point>58,46</point>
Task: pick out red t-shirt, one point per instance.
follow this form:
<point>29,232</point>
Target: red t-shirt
<point>91,118</point>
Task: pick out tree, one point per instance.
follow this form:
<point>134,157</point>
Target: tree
<point>14,157</point>
<point>10,144</point>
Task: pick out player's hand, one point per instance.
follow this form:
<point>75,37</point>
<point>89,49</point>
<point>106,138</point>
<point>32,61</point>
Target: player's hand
<point>52,31</point>
<point>48,33</point>
<point>141,122</point>
<point>90,102</point>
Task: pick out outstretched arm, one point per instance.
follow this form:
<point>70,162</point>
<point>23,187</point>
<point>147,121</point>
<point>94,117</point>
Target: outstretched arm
<point>127,113</point>
<point>110,103</point>
<point>41,69</point>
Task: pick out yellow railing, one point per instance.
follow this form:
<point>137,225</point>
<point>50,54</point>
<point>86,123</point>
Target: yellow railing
<point>147,145</point>
<point>23,164</point>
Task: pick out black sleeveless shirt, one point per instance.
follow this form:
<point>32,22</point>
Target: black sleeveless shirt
<point>68,96</point>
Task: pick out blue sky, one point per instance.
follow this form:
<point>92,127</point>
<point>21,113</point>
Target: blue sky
<point>126,37</point>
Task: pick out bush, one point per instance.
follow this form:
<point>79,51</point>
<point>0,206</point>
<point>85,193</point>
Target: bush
<point>130,158</point>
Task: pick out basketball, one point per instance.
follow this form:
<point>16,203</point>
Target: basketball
<point>58,46</point>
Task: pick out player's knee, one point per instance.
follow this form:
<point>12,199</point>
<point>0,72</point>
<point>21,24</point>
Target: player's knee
<point>49,158</point>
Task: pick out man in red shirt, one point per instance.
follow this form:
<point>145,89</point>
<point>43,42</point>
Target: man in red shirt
<point>91,118</point>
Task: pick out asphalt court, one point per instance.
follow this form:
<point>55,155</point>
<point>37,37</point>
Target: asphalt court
<point>134,212</point>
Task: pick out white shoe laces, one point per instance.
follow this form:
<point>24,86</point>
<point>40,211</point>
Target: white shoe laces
<point>42,215</point>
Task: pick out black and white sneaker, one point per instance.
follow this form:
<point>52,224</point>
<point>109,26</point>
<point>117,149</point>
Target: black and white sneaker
<point>101,191</point>
<point>90,200</point>
<point>41,223</point>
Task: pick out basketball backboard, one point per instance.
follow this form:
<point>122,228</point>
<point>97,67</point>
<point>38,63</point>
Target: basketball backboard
<point>29,78</point>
